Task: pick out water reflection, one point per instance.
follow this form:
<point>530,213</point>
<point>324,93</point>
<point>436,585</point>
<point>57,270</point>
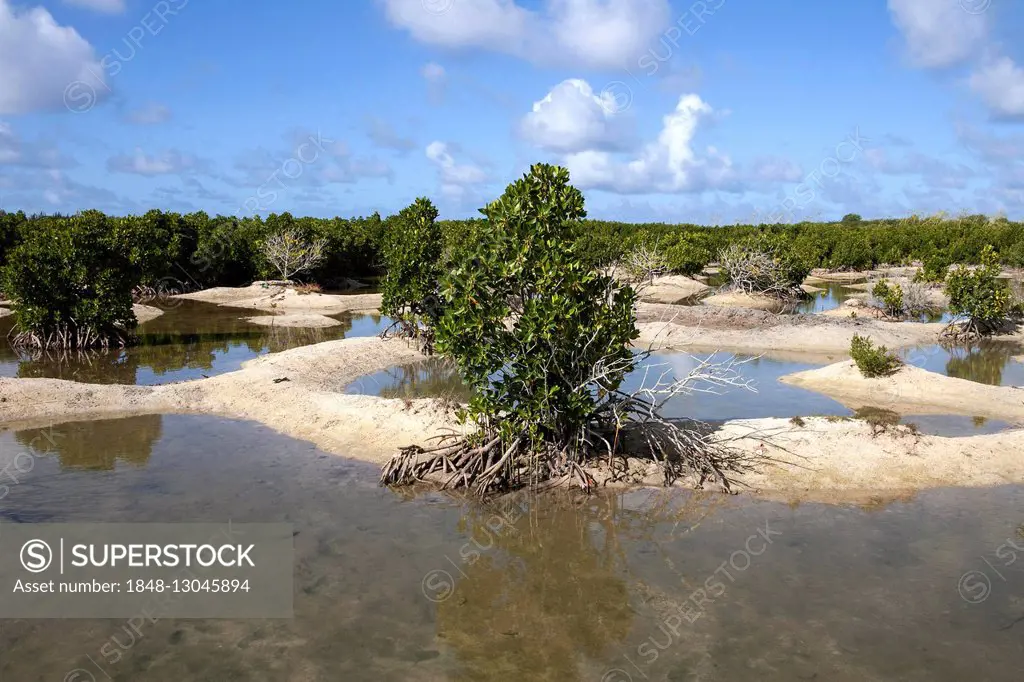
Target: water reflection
<point>768,396</point>
<point>988,362</point>
<point>189,341</point>
<point>97,445</point>
<point>535,595</point>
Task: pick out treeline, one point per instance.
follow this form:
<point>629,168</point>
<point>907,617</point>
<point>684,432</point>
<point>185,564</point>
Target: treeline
<point>203,251</point>
<point>200,251</point>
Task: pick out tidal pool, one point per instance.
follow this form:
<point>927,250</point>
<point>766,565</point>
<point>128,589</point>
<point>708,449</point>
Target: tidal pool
<point>768,397</point>
<point>618,587</point>
<point>191,340</point>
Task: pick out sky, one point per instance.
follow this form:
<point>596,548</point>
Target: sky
<point>697,111</point>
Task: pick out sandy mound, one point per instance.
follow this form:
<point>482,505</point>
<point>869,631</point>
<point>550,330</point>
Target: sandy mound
<point>273,296</point>
<point>800,337</point>
<point>672,289</point>
<point>839,276</point>
<point>307,320</point>
<point>809,289</point>
<point>1018,358</point>
<point>145,313</point>
<point>4,312</point>
<point>913,390</point>
<point>848,461</point>
<point>739,299</point>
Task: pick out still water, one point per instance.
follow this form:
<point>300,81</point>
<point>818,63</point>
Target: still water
<point>191,340</point>
<point>765,396</point>
<point>619,587</point>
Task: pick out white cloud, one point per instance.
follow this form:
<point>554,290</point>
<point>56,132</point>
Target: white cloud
<point>667,165</point>
<point>572,118</point>
<point>594,33</point>
<point>39,59</point>
<point>1000,84</point>
<point>939,33</point>
<point>455,177</point>
<point>102,6</point>
<point>139,163</point>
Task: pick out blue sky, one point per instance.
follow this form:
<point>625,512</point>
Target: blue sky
<point>712,111</point>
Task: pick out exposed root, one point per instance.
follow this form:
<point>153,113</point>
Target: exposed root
<point>66,337</point>
<point>625,428</point>
<point>403,329</point>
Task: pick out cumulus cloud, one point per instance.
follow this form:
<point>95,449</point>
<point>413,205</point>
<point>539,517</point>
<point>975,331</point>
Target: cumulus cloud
<point>102,6</point>
<point>1000,84</point>
<point>39,59</point>
<point>938,32</point>
<point>668,164</point>
<point>456,178</point>
<point>593,33</point>
<point>941,33</point>
<point>139,163</point>
<point>573,118</point>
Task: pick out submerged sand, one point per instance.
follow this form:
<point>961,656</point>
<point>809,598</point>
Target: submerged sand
<point>145,313</point>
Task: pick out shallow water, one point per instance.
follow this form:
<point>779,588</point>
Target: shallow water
<point>988,362</point>
<point>837,293</point>
<point>399,587</point>
<point>191,340</point>
<point>768,397</point>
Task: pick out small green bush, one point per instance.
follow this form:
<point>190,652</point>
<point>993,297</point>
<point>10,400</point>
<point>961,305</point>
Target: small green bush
<point>933,270</point>
<point>979,297</point>
<point>890,297</point>
<point>873,362</point>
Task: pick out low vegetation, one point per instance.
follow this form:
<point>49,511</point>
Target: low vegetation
<point>871,361</point>
<point>765,265</point>
<point>979,299</point>
<point>902,300</point>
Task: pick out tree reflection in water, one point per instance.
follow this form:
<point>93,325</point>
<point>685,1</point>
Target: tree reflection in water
<point>546,586</point>
<point>96,445</point>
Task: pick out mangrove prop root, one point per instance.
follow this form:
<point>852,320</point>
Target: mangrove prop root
<point>65,337</point>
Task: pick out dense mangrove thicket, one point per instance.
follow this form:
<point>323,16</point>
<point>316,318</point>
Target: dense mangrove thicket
<point>197,250</point>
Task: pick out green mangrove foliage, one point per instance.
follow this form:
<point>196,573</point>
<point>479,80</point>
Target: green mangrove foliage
<point>871,361</point>
<point>978,298</point>
<point>197,250</point>
<point>72,280</point>
<point>413,250</point>
<point>542,337</point>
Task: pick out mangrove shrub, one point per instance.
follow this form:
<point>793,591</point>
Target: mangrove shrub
<point>412,257</point>
<point>72,280</point>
